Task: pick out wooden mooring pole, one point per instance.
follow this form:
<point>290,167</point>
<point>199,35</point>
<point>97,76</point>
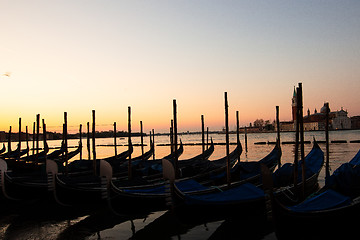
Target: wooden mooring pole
<point>66,143</point>
<point>327,163</point>
<point>115,145</point>
<point>202,135</point>
<point>237,130</point>
<point>278,132</point>
<point>80,140</point>
<point>153,142</point>
<point>88,140</point>
<point>227,140</point>
<point>44,138</point>
<point>18,157</point>
<point>172,151</point>
<point>34,139</point>
<point>175,139</point>
<point>37,136</point>
<point>296,148</point>
<point>246,148</point>
<point>9,141</point>
<point>129,144</point>
<point>93,143</point>
<point>302,150</point>
<point>27,141</point>
<point>141,138</point>
<point>207,138</point>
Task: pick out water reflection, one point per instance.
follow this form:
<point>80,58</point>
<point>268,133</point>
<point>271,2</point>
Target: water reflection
<point>105,224</point>
<point>95,223</point>
<point>169,226</point>
<point>242,229</point>
<point>163,227</point>
<point>36,220</point>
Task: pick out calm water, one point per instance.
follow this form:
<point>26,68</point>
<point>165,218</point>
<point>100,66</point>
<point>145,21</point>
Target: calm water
<point>162,225</point>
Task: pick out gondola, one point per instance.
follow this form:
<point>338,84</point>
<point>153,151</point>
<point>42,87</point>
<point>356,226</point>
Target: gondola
<point>37,157</point>
<point>330,213</point>
<point>206,203</point>
<point>136,163</point>
<point>9,151</point>
<point>3,149</point>
<point>153,169</point>
<point>239,198</point>
<point>250,171</point>
<point>83,191</point>
<point>12,158</point>
<point>21,186</point>
<point>87,190</point>
<point>15,153</point>
<point>283,178</point>
<point>143,170</point>
<point>29,180</point>
<point>35,163</point>
<point>56,153</point>
<point>86,166</point>
<point>28,163</point>
<point>240,172</point>
<point>152,196</point>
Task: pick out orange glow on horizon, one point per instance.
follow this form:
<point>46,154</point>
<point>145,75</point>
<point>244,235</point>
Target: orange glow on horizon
<point>57,58</point>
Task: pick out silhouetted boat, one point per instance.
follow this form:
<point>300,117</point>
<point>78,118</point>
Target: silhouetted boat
<point>28,180</point>
<point>35,163</point>
<point>284,177</point>
<point>239,198</point>
<point>250,171</point>
<point>86,166</point>
<point>150,196</point>
<point>154,196</point>
<point>330,213</point>
<point>153,169</point>
<point>87,190</point>
<point>209,203</point>
<point>20,186</point>
<point>37,156</point>
<point>84,191</point>
<point>17,153</point>
<point>3,149</point>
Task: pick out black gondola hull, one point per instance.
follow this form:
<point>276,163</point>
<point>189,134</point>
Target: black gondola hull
<point>338,223</point>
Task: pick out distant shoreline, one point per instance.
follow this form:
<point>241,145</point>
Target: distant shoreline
<point>109,134</point>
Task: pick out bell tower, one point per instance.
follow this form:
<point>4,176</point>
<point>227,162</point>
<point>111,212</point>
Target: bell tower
<point>294,105</point>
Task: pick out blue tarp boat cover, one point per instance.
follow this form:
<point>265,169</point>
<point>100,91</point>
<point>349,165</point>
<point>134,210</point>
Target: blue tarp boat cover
<point>326,200</point>
<point>345,179</point>
<point>190,185</point>
<point>244,169</point>
<point>313,163</point>
<point>244,192</point>
<point>356,159</point>
<point>343,185</point>
<point>157,167</point>
<point>184,186</point>
<point>272,157</point>
<point>284,175</point>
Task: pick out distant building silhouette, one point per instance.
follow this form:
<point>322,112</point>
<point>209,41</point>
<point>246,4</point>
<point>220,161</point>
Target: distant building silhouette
<point>316,121</point>
<point>2,136</point>
<point>355,122</point>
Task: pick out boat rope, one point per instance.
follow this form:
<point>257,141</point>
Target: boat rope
<point>216,187</point>
<point>289,194</point>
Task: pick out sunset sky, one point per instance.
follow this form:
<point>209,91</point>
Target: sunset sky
<point>74,56</point>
